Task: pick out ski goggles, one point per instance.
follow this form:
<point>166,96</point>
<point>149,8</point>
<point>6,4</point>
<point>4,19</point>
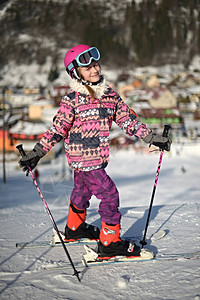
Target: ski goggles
<point>84,58</point>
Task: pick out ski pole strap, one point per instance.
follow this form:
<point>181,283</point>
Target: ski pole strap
<point>21,150</point>
<point>166,130</point>
<point>165,134</point>
<point>23,153</point>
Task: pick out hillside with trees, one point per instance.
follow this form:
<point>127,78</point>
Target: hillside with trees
<point>129,33</point>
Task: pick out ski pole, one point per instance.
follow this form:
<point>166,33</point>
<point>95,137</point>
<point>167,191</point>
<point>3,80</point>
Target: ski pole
<point>76,273</point>
<point>165,134</point>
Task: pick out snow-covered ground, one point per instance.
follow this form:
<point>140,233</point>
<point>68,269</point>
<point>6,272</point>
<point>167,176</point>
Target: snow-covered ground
<point>176,209</point>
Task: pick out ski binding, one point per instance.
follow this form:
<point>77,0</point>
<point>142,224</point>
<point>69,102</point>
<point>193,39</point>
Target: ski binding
<point>91,257</point>
<point>55,238</point>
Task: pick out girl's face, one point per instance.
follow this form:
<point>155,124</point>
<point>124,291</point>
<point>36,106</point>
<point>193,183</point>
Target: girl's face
<point>91,72</point>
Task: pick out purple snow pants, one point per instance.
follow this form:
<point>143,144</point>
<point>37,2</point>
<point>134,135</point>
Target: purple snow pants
<point>98,183</point>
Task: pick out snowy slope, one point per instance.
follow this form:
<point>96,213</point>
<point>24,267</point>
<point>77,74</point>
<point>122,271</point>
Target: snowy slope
<point>176,210</point>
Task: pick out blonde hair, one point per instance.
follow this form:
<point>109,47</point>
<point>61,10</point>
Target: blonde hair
<point>90,90</point>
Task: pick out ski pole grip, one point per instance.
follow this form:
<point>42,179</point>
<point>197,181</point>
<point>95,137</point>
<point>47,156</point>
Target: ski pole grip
<point>166,130</point>
<point>21,150</point>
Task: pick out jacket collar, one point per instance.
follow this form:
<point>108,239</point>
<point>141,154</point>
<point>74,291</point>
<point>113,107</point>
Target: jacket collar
<point>99,89</point>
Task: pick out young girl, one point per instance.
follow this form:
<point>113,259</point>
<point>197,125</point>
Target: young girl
<point>84,120</point>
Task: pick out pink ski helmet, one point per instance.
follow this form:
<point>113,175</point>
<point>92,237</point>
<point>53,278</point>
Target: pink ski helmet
<point>79,56</point>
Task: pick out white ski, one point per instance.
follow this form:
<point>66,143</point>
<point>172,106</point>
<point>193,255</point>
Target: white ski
<point>158,258</point>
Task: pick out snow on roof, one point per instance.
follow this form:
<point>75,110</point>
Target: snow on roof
<point>42,102</point>
<point>29,128</point>
<point>194,89</point>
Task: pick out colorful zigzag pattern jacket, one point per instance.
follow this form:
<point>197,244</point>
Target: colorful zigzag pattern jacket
<point>85,124</point>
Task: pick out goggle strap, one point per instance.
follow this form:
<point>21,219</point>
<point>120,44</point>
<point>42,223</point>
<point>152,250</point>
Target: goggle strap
<point>72,65</point>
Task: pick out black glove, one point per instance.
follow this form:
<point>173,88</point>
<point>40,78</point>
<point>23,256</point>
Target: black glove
<point>158,140</point>
<point>32,158</point>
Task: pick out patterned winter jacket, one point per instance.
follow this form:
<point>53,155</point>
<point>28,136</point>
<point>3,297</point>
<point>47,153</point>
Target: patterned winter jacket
<point>85,125</point>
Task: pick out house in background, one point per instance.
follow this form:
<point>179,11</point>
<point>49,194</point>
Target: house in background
<point>124,89</point>
<point>29,133</point>
<point>35,110</point>
<point>161,98</point>
<point>9,145</point>
<point>152,82</point>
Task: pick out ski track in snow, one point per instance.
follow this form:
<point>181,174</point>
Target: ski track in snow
<point>176,209</point>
